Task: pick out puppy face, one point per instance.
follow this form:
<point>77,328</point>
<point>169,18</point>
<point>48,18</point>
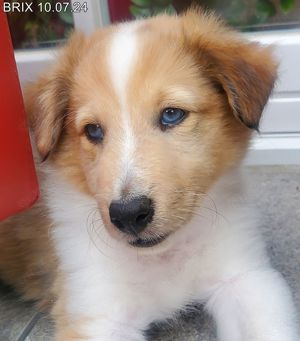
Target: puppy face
<point>145,116</point>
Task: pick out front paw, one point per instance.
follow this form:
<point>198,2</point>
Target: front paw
<point>120,335</point>
<point>104,335</point>
<point>113,337</point>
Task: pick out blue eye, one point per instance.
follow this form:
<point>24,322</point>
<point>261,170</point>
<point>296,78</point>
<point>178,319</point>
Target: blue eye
<point>172,116</point>
<point>94,133</point>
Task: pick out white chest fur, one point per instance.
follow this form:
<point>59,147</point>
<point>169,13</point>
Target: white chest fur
<point>108,280</point>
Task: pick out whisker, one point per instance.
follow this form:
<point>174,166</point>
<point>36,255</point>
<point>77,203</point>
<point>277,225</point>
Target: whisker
<point>92,232</point>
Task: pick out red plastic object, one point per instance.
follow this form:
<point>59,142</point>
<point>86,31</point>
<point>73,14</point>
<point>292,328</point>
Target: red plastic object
<point>18,182</point>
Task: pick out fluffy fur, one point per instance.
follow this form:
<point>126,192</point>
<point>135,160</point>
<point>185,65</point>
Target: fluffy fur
<point>66,254</point>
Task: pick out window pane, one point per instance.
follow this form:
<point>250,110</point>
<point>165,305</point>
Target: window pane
<point>44,24</point>
<point>244,14</point>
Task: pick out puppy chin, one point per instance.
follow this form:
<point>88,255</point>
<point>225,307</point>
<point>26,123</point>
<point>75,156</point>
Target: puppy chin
<point>145,246</point>
<point>148,241</point>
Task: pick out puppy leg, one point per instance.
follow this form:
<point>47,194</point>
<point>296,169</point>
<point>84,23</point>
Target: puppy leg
<point>89,329</point>
<point>110,323</point>
<point>256,306</point>
<point>99,331</point>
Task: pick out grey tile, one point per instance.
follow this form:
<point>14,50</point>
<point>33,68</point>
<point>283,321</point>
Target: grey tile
<point>275,193</point>
<point>195,325</point>
<point>43,330</point>
<point>14,315</point>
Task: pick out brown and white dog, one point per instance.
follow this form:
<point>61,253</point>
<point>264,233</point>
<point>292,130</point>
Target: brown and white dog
<point>142,125</point>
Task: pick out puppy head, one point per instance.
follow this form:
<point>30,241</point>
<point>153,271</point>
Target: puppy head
<point>145,116</point>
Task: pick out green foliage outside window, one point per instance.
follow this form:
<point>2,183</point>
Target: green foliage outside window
<point>147,8</point>
<point>40,28</point>
<point>236,12</point>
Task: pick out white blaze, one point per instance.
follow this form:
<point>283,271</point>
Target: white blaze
<point>122,56</point>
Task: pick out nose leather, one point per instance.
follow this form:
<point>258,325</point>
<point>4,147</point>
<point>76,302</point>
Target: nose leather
<point>131,216</point>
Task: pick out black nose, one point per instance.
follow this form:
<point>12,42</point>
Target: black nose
<point>131,216</point>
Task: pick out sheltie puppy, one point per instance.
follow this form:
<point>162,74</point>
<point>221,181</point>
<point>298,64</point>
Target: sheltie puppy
<point>139,130</point>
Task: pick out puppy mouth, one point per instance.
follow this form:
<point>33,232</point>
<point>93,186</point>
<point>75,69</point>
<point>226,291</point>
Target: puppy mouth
<point>148,242</point>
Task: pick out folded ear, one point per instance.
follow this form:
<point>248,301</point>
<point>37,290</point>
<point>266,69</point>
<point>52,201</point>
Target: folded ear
<point>47,99</point>
<point>245,71</point>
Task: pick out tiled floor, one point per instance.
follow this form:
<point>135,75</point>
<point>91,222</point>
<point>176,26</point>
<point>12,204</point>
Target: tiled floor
<point>276,193</point>
<point>15,316</point>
